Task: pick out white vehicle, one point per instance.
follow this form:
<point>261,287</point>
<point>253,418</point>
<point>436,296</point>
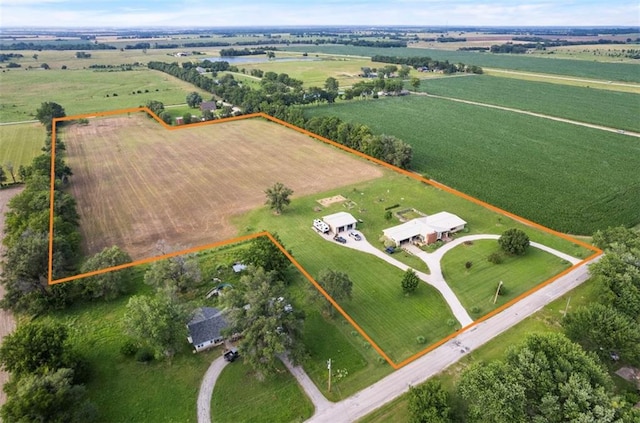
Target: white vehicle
<point>320,226</point>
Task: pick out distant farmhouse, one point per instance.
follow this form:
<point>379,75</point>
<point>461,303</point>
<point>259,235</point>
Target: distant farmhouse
<point>205,328</point>
<point>208,105</point>
<point>426,230</point>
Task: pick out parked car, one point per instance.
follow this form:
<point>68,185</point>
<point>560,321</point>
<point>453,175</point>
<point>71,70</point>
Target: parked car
<point>355,236</point>
<point>231,355</point>
<point>390,250</point>
<point>339,239</point>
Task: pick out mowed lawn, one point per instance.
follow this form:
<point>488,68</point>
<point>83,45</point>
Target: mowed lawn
<point>378,305</point>
<point>601,107</point>
<point>84,91</point>
<point>570,178</point>
<point>277,398</point>
<point>19,144</point>
<point>476,287</point>
<point>136,183</point>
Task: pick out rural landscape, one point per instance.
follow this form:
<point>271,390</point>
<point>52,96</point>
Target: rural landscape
<point>320,223</point>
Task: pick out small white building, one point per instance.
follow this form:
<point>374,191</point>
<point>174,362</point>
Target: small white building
<point>340,222</point>
<point>428,229</point>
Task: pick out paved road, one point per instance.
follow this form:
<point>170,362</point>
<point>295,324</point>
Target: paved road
<point>397,383</point>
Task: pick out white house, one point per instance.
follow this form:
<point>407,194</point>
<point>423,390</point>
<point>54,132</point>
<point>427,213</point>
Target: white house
<point>340,222</point>
<point>428,229</point>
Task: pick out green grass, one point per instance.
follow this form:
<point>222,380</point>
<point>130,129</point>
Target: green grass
<point>578,68</point>
<point>608,108</point>
<point>392,320</point>
<point>123,389</point>
<point>85,91</point>
<point>476,286</point>
<point>570,178</point>
<point>546,320</point>
<point>239,397</point>
<point>19,144</point>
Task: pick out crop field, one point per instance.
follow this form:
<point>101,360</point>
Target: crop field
<point>580,68</point>
<point>137,183</point>
<point>19,144</point>
<point>86,91</point>
<point>601,107</point>
<point>566,177</point>
<point>315,72</point>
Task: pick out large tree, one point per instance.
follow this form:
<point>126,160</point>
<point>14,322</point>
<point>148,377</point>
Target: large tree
<point>158,322</point>
<point>109,285</point>
<point>603,329</point>
<point>278,197</point>
<point>180,272</point>
<point>194,99</point>
<point>429,403</point>
<point>49,111</point>
<point>47,397</point>
<point>546,378</point>
<point>264,253</point>
<point>337,284</point>
<point>514,241</point>
<point>36,346</point>
<point>258,308</point>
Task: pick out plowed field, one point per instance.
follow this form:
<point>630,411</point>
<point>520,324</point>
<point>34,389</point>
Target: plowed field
<point>137,183</point>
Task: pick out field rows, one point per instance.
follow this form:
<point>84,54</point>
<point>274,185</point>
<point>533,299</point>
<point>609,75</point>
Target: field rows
<point>600,107</point>
<point>569,178</point>
<point>19,144</point>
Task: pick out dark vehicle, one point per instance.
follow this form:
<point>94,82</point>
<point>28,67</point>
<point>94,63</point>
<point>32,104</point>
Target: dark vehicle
<point>390,250</point>
<point>339,239</point>
<point>231,355</point>
<point>355,236</point>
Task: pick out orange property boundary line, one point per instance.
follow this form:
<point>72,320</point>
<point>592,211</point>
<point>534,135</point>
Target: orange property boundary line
<point>306,274</point>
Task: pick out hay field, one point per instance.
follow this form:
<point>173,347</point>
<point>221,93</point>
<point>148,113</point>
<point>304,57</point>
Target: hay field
<point>137,183</point>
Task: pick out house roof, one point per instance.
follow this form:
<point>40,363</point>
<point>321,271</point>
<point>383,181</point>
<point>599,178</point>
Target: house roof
<point>206,325</point>
<point>439,222</point>
<point>407,230</point>
<point>444,221</point>
<point>208,105</point>
<point>339,219</point>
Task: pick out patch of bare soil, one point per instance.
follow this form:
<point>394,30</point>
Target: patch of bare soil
<point>7,322</point>
<point>137,183</point>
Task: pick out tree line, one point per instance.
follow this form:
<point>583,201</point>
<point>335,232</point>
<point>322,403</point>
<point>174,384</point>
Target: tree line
<point>428,63</point>
<point>230,52</point>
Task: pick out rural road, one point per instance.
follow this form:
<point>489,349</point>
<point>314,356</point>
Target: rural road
<point>398,382</point>
<point>7,322</point>
<point>540,115</point>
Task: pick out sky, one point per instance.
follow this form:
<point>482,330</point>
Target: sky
<point>224,13</point>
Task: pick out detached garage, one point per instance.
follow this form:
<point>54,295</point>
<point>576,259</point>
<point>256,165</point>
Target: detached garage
<point>340,222</point>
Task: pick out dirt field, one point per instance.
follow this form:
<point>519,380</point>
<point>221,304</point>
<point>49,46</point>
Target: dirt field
<point>137,183</point>
<point>7,322</point>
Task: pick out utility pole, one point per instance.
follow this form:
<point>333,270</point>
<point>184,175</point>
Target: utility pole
<point>566,309</point>
<point>497,292</point>
<point>329,368</point>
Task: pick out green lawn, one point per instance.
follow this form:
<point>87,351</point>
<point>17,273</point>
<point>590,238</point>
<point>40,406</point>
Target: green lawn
<point>546,320</point>
<point>392,320</point>
<point>608,108</point>
<point>239,397</point>
<point>85,91</point>
<point>566,177</point>
<point>19,144</point>
<point>578,68</point>
<point>476,287</point>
